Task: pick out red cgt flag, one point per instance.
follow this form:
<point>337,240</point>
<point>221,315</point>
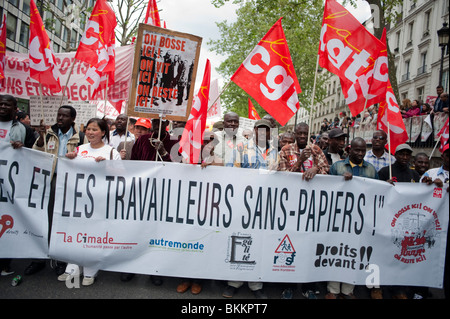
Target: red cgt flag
<point>97,46</point>
<point>43,66</point>
<point>268,76</point>
<point>390,120</point>
<point>252,114</point>
<point>443,136</point>
<point>152,14</point>
<point>2,48</point>
<point>360,60</point>
<point>192,138</point>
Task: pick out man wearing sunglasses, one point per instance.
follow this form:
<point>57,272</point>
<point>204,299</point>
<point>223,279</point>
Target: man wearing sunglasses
<point>378,156</point>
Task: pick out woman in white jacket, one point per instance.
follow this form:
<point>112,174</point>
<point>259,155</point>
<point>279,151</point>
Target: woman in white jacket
<point>96,150</point>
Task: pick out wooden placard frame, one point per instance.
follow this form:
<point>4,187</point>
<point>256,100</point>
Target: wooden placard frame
<point>175,43</point>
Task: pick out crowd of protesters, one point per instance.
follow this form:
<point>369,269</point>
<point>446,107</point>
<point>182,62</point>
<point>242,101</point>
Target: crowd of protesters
<point>158,140</point>
<point>408,109</point>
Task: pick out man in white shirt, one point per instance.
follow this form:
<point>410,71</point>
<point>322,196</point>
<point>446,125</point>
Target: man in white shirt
<point>378,156</point>
<point>440,175</point>
<point>440,178</point>
<point>230,146</point>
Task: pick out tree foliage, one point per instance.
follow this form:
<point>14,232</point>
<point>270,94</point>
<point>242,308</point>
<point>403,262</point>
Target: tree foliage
<point>301,22</point>
<point>129,14</point>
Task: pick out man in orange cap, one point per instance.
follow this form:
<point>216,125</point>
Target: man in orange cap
<point>141,127</point>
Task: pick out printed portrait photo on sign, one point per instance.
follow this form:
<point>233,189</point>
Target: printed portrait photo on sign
<point>164,72</point>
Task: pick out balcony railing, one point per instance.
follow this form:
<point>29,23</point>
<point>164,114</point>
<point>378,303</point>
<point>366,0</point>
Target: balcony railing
<point>405,77</point>
<point>422,69</point>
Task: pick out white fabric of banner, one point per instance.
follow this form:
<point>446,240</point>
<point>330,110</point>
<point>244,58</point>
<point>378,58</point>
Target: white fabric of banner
<point>25,177</point>
<point>253,225</point>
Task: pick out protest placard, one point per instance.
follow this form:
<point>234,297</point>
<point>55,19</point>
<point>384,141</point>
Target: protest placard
<point>165,67</point>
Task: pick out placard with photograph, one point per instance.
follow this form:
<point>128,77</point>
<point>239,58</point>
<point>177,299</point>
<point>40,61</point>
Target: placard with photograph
<point>165,67</point>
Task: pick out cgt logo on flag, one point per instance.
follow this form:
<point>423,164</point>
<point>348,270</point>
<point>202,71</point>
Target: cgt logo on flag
<point>43,66</point>
<point>360,60</point>
<point>268,76</point>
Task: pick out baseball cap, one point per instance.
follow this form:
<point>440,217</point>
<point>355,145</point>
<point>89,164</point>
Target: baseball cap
<point>143,122</point>
<point>402,147</point>
<point>336,132</point>
<point>263,122</point>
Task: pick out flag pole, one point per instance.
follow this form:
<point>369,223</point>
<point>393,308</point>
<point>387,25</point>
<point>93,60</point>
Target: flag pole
<point>106,97</point>
<point>312,101</point>
<point>42,114</point>
<point>390,154</point>
<point>217,98</point>
<point>67,82</point>
<point>159,138</point>
<point>435,145</point>
<point>434,148</point>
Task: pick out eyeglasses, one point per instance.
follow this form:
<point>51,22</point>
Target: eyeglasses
<point>378,138</point>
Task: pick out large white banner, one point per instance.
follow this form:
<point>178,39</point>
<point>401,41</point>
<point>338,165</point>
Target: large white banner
<point>243,224</point>
<point>17,80</point>
<point>25,177</point>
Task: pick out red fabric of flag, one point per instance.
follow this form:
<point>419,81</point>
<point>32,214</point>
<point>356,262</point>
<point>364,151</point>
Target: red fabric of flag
<point>152,14</point>
<point>2,48</point>
<point>443,136</point>
<point>390,121</point>
<point>348,50</point>
<point>43,66</point>
<point>192,138</point>
<point>97,46</point>
<point>268,76</point>
<point>252,114</point>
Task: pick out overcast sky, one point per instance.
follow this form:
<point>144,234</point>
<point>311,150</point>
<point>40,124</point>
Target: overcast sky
<point>199,17</point>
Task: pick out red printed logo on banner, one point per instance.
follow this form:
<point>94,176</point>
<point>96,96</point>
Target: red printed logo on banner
<point>7,222</point>
<point>437,192</point>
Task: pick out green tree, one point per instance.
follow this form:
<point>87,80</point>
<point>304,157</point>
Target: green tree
<point>129,14</point>
<point>301,22</point>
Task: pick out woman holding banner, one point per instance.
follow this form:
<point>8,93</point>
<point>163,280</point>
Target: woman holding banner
<point>96,150</point>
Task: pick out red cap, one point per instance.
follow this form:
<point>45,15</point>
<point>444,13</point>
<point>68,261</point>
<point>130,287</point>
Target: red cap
<point>143,122</point>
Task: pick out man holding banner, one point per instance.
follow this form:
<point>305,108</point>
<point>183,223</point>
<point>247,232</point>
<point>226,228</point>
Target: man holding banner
<point>11,131</point>
<point>60,139</point>
<point>353,165</point>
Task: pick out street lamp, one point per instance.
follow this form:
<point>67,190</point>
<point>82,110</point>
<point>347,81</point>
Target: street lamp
<point>443,36</point>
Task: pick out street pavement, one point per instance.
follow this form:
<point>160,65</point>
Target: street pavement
<point>44,285</point>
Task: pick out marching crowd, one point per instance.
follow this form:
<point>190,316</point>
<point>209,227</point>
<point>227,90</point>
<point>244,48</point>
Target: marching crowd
<point>152,140</point>
<point>408,109</point>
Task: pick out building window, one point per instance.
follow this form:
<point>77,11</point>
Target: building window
<point>423,64</point>
<point>405,75</point>
<point>397,41</point>
<point>420,93</point>
<point>14,3</point>
<point>26,6</point>
<point>65,34</point>
<point>445,79</point>
<point>49,21</point>
<point>24,34</point>
<point>58,26</point>
<point>11,26</point>
<point>73,39</point>
<point>426,22</point>
<point>411,33</point>
<point>60,5</point>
